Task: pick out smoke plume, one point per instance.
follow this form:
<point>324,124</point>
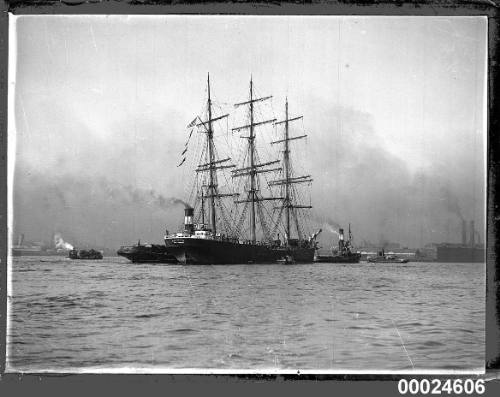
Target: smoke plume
<point>94,212</point>
<point>360,181</point>
<point>59,243</point>
<point>357,180</point>
<point>331,228</point>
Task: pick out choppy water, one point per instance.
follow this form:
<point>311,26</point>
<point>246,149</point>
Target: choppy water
<point>71,315</point>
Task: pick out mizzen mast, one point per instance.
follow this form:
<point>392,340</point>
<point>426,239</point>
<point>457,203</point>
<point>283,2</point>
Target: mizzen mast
<point>210,140</point>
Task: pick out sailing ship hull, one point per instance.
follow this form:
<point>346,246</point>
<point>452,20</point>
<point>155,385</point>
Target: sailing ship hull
<point>297,254</point>
<point>220,252</point>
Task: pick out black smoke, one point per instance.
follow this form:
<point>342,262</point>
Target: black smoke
<point>91,211</point>
<point>360,181</point>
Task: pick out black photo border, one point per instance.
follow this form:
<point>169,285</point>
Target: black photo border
<point>88,384</point>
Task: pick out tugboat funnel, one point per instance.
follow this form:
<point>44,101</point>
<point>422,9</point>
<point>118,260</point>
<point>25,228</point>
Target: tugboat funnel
<point>188,220</point>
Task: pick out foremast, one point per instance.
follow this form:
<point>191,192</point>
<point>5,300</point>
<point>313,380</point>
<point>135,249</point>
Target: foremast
<point>212,165</point>
<point>253,169</point>
<point>288,204</point>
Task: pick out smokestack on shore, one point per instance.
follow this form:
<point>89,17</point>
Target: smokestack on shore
<point>464,232</point>
<point>188,220</point>
<point>472,234</point>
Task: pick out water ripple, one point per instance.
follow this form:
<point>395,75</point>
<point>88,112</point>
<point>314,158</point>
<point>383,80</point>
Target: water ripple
<point>349,317</point>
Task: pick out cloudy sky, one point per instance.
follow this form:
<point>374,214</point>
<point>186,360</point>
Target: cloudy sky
<point>394,108</point>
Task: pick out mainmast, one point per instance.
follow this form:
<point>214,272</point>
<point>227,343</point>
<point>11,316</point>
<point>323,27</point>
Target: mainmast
<point>253,169</point>
<point>288,205</point>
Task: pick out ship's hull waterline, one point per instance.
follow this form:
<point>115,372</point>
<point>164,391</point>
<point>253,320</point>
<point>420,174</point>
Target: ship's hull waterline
<point>220,252</point>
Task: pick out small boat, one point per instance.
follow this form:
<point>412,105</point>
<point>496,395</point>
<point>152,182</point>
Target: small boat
<point>85,254</point>
<point>287,260</point>
<point>382,257</point>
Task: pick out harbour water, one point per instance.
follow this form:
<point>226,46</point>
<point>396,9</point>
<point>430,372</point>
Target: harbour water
<point>72,315</point>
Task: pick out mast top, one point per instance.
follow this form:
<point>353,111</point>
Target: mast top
<point>208,85</point>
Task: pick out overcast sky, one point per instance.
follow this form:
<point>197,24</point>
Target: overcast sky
<point>394,108</point>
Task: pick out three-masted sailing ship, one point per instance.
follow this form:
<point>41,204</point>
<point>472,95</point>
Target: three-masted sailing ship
<point>213,227</point>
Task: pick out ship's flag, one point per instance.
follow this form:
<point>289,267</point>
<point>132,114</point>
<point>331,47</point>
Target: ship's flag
<point>192,123</point>
<point>182,162</point>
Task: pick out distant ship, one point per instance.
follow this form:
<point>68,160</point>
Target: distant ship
<point>35,249</point>
<point>85,254</point>
<point>221,231</point>
<point>23,250</point>
<point>382,257</point>
<point>343,253</point>
<point>147,253</point>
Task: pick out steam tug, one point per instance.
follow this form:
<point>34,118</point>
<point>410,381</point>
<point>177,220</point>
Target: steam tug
<point>342,254</point>
<point>382,257</point>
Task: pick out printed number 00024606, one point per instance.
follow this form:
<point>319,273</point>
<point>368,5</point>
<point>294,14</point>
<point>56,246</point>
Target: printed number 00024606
<point>438,386</point>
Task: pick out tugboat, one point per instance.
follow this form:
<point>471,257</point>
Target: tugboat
<point>85,254</point>
<point>342,254</point>
<point>382,257</point>
<point>217,231</point>
<point>146,253</point>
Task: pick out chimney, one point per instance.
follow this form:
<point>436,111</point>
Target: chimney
<point>471,231</point>
<point>464,232</point>
<point>188,220</point>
